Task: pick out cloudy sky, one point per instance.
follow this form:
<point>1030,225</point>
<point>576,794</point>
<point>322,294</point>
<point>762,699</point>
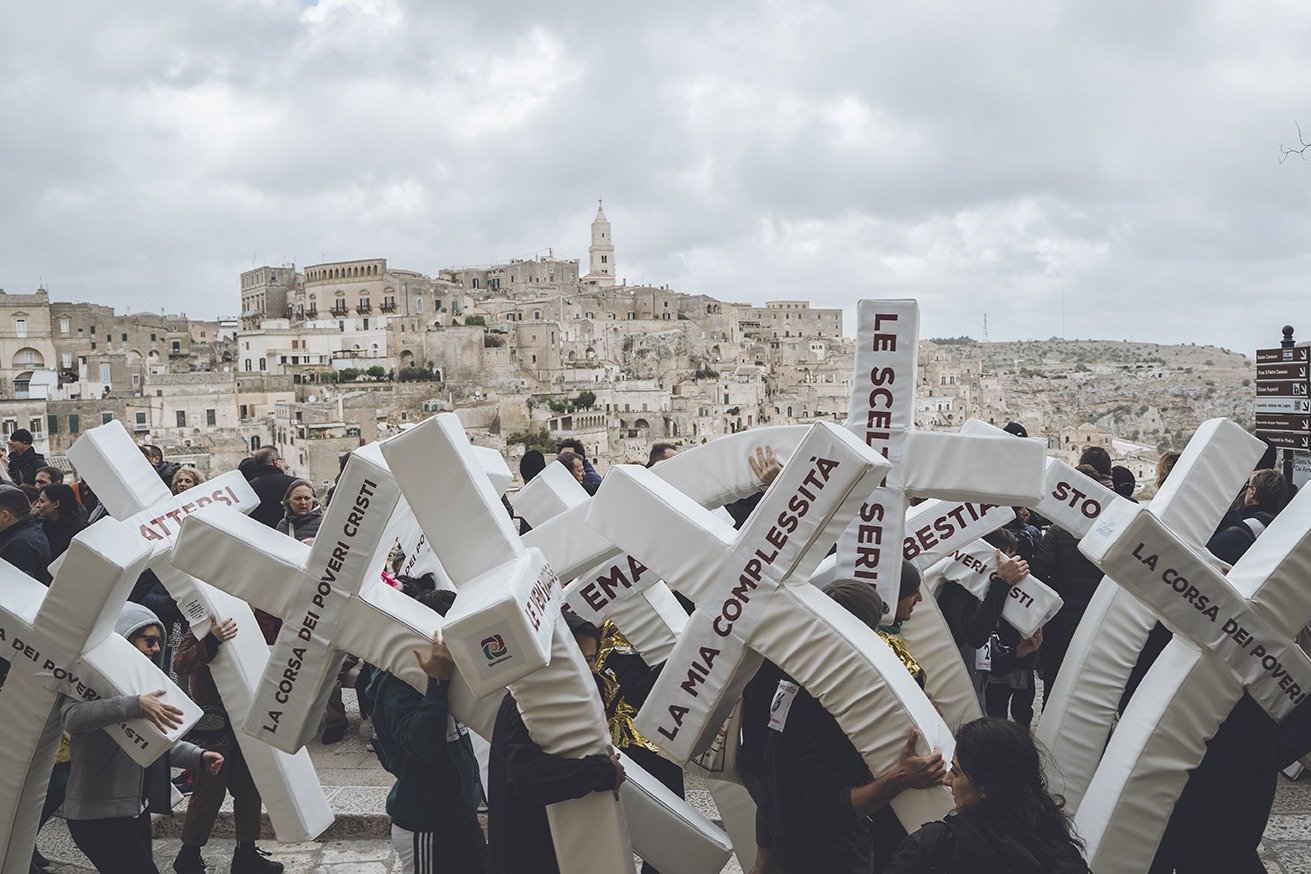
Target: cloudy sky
<point>1102,169</point>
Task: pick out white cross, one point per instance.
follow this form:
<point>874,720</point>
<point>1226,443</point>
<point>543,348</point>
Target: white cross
<point>1030,602</point>
<point>746,611</point>
<point>318,588</point>
<point>1232,633</point>
<point>1079,710</point>
<point>925,464</point>
<point>507,608</point>
<point>62,640</point>
<point>131,490</point>
<point>651,619</point>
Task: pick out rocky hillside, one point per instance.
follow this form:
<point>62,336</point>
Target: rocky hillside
<point>1147,392</point>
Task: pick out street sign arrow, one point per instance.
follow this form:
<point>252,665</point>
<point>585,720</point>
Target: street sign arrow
<point>1281,371</point>
<point>1270,356</point>
<point>1287,440</point>
<point>1268,422</point>
<point>1287,388</point>
<point>1285,406</point>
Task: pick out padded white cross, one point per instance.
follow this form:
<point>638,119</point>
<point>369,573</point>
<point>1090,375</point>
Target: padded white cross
<point>925,464</point>
<point>108,459</point>
<point>746,611</point>
<point>1079,710</point>
<point>666,831</point>
<point>506,628</point>
<point>1232,633</point>
<point>622,590</point>
<point>321,583</point>
<point>62,640</point>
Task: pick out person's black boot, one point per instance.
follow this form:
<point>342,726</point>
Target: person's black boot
<point>189,861</point>
<point>250,859</point>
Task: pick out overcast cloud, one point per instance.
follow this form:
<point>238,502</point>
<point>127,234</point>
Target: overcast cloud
<point>1094,169</point>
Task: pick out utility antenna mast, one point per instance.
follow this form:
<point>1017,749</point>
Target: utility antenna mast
<point>985,327</point>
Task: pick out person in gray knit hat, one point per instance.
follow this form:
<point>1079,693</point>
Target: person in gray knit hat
<point>110,796</point>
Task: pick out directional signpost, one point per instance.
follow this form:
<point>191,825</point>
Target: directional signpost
<point>1283,396</point>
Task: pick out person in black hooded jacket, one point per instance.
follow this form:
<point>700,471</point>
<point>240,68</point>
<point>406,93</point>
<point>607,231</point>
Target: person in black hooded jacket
<point>1005,822</point>
<point>1060,564</point>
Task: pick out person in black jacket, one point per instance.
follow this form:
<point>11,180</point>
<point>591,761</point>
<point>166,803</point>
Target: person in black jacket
<point>165,469</point>
<point>270,482</point>
<point>1005,822</point>
<point>832,813</point>
<point>523,778</point>
<point>973,621</point>
<point>22,542</point>
<point>22,459</point>
<point>57,508</point>
<point>1061,565</point>
<point>1264,496</point>
<point>434,802</point>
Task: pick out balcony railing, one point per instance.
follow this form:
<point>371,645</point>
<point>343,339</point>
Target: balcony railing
<point>364,307</point>
<point>340,310</point>
<point>388,306</point>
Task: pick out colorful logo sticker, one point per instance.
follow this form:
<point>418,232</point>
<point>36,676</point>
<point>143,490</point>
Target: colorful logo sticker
<point>494,647</point>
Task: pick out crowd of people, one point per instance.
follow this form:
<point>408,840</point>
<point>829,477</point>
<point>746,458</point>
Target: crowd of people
<point>819,807</point>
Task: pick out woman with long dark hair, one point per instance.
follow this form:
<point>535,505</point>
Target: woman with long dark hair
<point>56,505</point>
<point>1005,822</point>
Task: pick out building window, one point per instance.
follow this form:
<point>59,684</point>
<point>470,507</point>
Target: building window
<point>136,379</point>
<point>262,364</point>
<point>63,326</point>
<point>106,418</point>
<point>418,305</point>
<point>182,418</point>
<point>67,359</point>
<point>73,425</point>
<point>52,425</point>
<point>247,365</point>
<point>177,346</point>
<point>125,338</point>
<point>104,373</point>
<point>20,327</point>
<point>152,337</point>
<point>210,418</point>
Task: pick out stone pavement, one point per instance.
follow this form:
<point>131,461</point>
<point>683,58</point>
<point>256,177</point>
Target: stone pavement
<point>358,842</point>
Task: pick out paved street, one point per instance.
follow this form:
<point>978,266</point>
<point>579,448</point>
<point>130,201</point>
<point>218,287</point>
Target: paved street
<point>358,841</point>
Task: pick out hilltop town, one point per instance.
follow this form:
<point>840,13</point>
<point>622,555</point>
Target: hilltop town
<point>324,358</point>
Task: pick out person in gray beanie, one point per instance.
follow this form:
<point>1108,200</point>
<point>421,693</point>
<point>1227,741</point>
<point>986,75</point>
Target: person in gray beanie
<point>108,804</point>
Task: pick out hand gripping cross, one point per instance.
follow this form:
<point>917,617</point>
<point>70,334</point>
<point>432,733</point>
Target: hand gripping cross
<point>62,640</point>
<point>746,611</point>
<point>108,459</point>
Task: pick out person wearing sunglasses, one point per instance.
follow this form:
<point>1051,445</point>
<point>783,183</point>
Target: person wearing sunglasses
<point>110,797</point>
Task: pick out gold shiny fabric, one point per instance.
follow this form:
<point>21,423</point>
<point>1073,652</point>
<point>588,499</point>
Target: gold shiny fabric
<point>899,647</point>
<point>619,713</point>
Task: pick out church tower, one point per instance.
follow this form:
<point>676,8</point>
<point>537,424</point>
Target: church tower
<point>601,254</point>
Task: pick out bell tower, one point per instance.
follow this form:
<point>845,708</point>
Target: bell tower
<point>601,253</point>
